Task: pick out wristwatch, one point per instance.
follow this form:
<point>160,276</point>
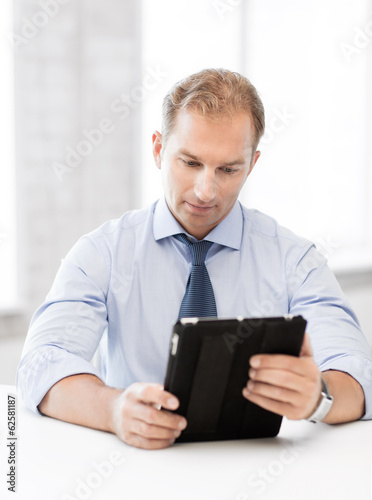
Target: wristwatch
<point>324,405</point>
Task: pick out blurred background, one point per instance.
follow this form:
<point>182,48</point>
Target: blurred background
<point>81,91</point>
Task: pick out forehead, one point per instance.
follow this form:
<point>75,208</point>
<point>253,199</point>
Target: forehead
<point>220,133</point>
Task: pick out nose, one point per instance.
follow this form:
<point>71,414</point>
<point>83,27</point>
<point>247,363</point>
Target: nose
<point>205,185</point>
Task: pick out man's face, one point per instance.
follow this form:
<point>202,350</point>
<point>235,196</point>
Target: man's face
<point>204,165</point>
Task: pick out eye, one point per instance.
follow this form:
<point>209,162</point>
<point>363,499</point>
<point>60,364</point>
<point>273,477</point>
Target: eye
<point>190,163</point>
<point>229,170</point>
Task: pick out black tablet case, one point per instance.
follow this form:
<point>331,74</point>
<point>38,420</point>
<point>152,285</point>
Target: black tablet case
<point>208,368</point>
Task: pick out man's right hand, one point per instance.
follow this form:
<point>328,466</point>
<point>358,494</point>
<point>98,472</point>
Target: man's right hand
<point>132,414</point>
<point>137,421</point>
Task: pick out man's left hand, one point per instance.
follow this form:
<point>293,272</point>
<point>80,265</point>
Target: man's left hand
<point>287,385</point>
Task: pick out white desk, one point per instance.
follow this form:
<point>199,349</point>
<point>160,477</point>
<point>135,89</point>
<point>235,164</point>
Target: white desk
<point>60,461</point>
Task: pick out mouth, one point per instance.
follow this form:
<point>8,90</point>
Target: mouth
<point>199,208</point>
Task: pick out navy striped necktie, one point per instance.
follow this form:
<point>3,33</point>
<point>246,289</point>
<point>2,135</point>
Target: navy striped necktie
<point>198,300</point>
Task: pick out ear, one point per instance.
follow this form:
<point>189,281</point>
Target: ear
<point>254,160</point>
<point>156,147</point>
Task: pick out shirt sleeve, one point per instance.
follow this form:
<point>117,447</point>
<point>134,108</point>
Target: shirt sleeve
<point>66,329</point>
<point>337,340</point>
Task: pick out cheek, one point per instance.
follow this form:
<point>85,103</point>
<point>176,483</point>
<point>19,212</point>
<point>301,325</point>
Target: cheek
<point>231,190</point>
<point>170,180</point>
<point>179,179</point>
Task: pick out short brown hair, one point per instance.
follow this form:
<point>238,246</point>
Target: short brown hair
<point>213,92</point>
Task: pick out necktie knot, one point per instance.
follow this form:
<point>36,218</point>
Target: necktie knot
<point>199,249</point>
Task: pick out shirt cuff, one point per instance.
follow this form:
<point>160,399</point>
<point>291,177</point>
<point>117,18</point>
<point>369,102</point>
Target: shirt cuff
<point>40,370</point>
<point>358,368</point>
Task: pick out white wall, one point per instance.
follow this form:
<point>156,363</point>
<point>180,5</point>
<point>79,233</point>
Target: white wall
<point>358,289</point>
<point>67,77</point>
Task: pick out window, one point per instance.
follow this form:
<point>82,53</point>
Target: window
<point>312,64</point>
<point>8,288</point>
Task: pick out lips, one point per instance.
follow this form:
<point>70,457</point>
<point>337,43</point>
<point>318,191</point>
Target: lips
<point>200,208</point>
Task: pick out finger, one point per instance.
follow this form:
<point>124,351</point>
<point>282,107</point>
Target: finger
<point>151,431</point>
<point>159,418</point>
<point>278,400</point>
<point>147,444</point>
<point>292,404</point>
<point>281,378</point>
<point>155,394</point>
<point>281,362</point>
<point>279,407</point>
<point>272,392</point>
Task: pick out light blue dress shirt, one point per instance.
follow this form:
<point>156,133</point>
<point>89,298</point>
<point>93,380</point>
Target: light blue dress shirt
<point>119,290</point>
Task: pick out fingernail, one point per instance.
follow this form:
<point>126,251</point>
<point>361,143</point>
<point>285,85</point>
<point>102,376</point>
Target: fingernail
<point>182,424</point>
<point>172,402</point>
<point>255,362</point>
<point>252,373</point>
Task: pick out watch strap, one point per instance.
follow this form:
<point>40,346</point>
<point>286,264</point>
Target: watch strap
<point>325,404</point>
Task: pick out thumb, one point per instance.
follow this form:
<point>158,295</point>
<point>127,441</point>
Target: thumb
<point>306,350</point>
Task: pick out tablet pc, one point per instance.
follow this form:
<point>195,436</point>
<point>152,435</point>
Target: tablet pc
<point>208,367</point>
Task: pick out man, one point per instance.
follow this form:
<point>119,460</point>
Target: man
<point>120,287</point>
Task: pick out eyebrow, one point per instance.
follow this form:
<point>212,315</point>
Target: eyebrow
<point>238,161</point>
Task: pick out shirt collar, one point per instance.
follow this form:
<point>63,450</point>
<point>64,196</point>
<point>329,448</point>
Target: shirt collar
<point>227,233</point>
